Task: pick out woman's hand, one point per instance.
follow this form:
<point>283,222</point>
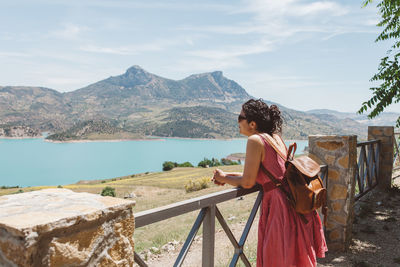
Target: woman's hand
<point>218,176</point>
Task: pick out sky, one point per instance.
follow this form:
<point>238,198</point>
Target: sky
<point>301,54</point>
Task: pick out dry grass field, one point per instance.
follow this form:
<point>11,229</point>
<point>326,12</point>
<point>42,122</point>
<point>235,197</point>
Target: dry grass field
<point>162,188</point>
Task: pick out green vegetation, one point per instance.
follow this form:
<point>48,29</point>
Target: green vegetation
<point>94,130</point>
<point>389,67</point>
<point>169,165</point>
<point>8,187</point>
<point>205,163</point>
<point>225,161</point>
<point>163,188</point>
<point>108,191</point>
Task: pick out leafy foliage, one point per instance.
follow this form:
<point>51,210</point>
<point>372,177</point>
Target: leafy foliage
<point>168,165</point>
<point>209,163</point>
<point>225,161</point>
<point>108,191</point>
<point>388,71</point>
<point>186,164</point>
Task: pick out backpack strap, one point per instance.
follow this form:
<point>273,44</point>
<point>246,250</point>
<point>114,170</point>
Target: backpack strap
<point>273,144</point>
<point>279,185</point>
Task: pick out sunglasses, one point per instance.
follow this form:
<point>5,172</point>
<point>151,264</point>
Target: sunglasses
<point>241,117</point>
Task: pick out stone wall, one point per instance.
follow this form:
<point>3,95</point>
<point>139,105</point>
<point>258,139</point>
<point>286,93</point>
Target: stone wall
<point>339,153</point>
<point>58,227</point>
<point>385,134</point>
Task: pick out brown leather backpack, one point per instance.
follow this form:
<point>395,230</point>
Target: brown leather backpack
<point>307,192</point>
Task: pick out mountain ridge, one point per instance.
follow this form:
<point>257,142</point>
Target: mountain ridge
<point>203,105</point>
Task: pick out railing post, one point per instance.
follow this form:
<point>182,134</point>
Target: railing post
<point>386,135</point>
<point>340,154</point>
<point>209,237</point>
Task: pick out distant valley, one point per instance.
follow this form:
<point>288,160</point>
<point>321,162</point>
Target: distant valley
<point>138,103</point>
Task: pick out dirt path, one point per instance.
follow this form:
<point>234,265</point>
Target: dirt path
<point>376,238</point>
<point>376,233</point>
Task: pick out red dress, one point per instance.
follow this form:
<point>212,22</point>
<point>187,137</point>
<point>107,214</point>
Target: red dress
<point>283,238</point>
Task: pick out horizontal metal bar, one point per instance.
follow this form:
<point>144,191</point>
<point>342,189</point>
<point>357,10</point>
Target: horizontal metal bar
<point>162,213</point>
<point>368,142</point>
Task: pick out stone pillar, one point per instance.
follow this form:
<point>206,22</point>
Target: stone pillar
<point>58,227</point>
<point>386,135</point>
<point>339,153</point>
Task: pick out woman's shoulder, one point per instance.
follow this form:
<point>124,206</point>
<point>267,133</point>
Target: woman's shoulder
<point>256,138</point>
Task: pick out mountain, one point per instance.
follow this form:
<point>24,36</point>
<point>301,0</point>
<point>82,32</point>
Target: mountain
<point>384,119</point>
<point>138,103</point>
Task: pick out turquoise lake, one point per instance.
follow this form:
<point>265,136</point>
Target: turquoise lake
<point>32,162</point>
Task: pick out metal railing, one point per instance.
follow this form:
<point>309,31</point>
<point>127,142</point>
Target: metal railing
<point>367,167</point>
<point>396,158</point>
<point>208,212</point>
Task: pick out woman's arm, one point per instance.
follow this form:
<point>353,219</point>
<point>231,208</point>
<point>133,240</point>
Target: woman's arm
<point>234,173</point>
<point>254,155</point>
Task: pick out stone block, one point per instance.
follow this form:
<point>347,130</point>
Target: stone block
<point>334,235</point>
<point>340,219</point>
<point>330,145</point>
<point>58,227</point>
<point>388,131</point>
<point>338,191</point>
<point>344,161</point>
<point>333,174</point>
<point>337,206</point>
<point>330,159</point>
<point>376,132</point>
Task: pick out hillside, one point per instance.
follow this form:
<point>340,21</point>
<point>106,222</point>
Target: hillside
<point>384,119</point>
<point>18,132</point>
<point>141,103</point>
<point>93,130</point>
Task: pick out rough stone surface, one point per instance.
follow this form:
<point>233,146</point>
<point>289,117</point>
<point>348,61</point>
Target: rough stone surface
<point>333,145</point>
<point>58,227</point>
<point>339,153</point>
<point>386,135</point>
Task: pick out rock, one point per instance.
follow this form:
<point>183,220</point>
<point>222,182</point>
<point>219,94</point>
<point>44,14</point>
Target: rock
<point>230,218</point>
<point>130,195</point>
<point>58,227</point>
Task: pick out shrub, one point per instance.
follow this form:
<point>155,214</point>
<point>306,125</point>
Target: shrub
<point>215,162</point>
<point>108,191</point>
<point>59,186</point>
<point>103,182</point>
<point>196,185</point>
<point>168,165</point>
<point>225,161</point>
<point>205,163</point>
<point>185,164</point>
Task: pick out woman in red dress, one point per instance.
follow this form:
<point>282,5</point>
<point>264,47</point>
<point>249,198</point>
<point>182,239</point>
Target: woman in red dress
<point>284,239</point>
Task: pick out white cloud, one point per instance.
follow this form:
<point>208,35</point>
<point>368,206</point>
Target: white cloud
<point>122,50</point>
<point>234,51</point>
<point>70,31</point>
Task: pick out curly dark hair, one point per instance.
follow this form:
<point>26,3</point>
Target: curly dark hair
<point>268,119</point>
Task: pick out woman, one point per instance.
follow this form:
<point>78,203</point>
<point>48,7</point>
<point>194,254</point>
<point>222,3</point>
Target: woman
<point>284,239</point>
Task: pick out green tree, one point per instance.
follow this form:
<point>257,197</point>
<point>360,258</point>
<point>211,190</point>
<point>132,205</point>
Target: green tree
<point>205,163</point>
<point>168,165</point>
<point>185,164</point>
<point>108,191</point>
<point>389,69</point>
